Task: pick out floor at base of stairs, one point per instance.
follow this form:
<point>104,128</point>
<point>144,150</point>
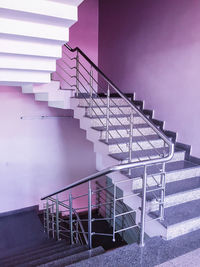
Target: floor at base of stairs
<point>156,251</point>
<point>191,259</point>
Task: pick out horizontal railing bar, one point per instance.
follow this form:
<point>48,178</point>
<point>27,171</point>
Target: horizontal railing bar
<point>101,219</point>
<point>101,234</point>
<point>102,204</point>
<point>80,196</point>
<point>124,213</point>
<point>131,195</point>
<point>127,228</point>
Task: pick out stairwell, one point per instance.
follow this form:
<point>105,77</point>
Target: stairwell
<point>144,189</point>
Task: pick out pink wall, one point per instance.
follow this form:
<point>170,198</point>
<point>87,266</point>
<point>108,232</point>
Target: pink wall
<point>84,33</point>
<point>38,156</point>
<point>153,48</point>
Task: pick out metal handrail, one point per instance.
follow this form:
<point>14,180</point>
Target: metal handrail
<point>115,169</point>
<point>119,92</point>
<point>163,158</point>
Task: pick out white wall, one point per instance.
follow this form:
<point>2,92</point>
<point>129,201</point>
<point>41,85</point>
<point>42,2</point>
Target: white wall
<point>38,156</point>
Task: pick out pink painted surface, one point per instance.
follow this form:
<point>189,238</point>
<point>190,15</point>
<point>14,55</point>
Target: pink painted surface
<point>153,48</point>
<point>84,33</point>
<point>38,156</point>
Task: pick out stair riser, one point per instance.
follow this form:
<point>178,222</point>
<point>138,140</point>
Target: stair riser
<point>103,111</point>
<point>115,121</point>
<point>177,156</point>
<point>125,133</point>
<point>183,228</point>
<point>103,101</point>
<point>176,199</point>
<point>170,177</point>
<point>117,148</point>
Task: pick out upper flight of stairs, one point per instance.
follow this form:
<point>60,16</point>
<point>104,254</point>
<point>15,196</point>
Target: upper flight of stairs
<point>31,38</point>
<point>182,172</point>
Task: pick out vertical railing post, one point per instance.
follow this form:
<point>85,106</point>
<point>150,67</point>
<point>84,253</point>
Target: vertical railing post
<point>114,212</point>
<point>47,216</point>
<point>108,113</point>
<point>143,207</point>
<point>77,75</point>
<point>89,215</point>
<point>130,138</point>
<point>162,197</point>
<point>91,93</point>
<point>71,218</point>
<point>52,223</point>
<point>57,219</point>
<point>77,232</point>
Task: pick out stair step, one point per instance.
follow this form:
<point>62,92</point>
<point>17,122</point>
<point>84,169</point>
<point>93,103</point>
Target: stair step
<point>176,193</point>
<point>36,254</point>
<point>123,145</point>
<point>118,119</point>
<point>119,131</point>
<point>102,101</point>
<point>75,258</point>
<point>113,110</point>
<point>175,171</point>
<point>49,244</point>
<point>181,219</point>
<point>56,256</point>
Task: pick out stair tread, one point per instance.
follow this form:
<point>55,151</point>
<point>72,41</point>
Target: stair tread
<point>177,187</point>
<point>36,253</point>
<point>170,167</point>
<point>104,106</point>
<point>121,127</point>
<point>113,116</point>
<point>134,139</point>
<point>43,260</point>
<point>180,213</point>
<point>78,257</point>
<point>140,153</point>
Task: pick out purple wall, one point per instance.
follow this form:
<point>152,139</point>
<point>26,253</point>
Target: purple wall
<point>153,48</point>
<point>38,156</point>
<point>84,33</point>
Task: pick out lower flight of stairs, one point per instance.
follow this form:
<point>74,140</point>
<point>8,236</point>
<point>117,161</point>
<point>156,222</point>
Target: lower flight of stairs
<point>50,253</point>
<point>182,200</point>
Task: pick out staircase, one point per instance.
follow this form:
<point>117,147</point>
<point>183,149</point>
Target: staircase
<point>147,183</point>
<point>124,133</point>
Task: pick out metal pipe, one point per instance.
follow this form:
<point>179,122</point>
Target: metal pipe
<point>89,215</point>
<point>71,218</point>
<point>52,223</point>
<point>77,74</point>
<point>130,139</point>
<point>143,207</point>
<point>47,216</point>
<point>91,93</point>
<point>162,197</point>
<point>108,113</point>
<point>57,218</point>
<point>114,211</point>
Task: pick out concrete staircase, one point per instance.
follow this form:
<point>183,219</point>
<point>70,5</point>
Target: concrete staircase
<point>50,253</point>
<point>24,243</point>
<point>182,172</point>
